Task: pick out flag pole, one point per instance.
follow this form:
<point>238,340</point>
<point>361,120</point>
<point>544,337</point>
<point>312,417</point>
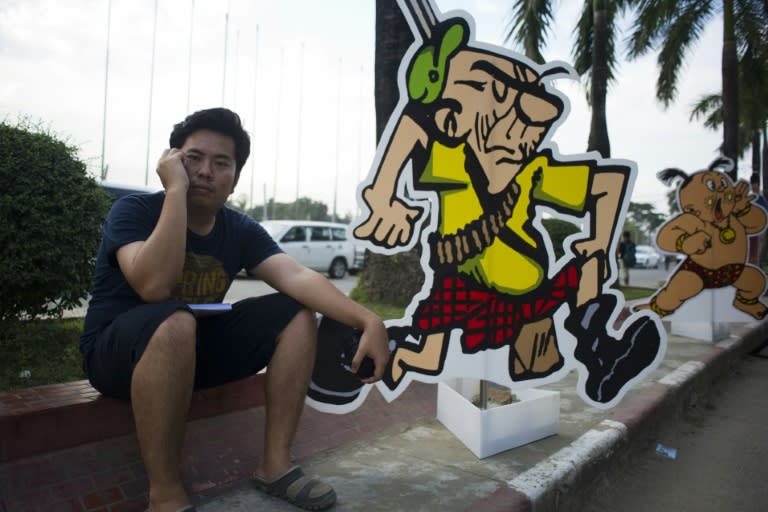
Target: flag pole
<point>298,136</point>
<point>151,90</point>
<point>106,82</point>
<point>224,70</point>
<point>189,54</point>
<point>253,121</point>
<point>277,131</point>
<point>338,145</point>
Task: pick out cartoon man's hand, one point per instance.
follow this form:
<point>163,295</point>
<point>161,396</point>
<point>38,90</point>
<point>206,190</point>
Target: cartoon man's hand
<point>391,221</point>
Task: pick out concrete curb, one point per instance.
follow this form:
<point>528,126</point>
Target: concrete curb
<point>563,477</point>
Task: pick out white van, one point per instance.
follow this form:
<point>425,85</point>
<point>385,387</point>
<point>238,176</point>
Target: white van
<point>322,246</point>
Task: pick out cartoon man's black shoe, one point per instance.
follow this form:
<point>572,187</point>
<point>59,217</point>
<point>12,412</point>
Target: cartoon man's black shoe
<point>611,363</point>
<point>332,379</point>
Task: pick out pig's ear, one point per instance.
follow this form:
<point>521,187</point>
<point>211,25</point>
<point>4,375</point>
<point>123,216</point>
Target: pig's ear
<point>670,175</point>
<point>722,164</point>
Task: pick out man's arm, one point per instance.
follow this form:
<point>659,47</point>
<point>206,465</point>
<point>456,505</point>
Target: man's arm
<point>316,293</point>
<point>154,266</point>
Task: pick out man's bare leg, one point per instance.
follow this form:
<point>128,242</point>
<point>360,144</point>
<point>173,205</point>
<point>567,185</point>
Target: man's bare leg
<point>288,376</point>
<point>161,389</point>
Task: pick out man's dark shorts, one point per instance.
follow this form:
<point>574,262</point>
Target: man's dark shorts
<point>230,346</point>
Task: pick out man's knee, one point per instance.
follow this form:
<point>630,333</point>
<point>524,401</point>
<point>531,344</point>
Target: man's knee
<point>178,330</point>
<point>303,326</point>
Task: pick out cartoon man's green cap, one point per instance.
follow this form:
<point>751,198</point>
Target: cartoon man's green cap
<point>426,75</point>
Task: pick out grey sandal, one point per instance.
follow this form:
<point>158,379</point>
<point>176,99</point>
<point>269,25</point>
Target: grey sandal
<point>188,508</point>
<point>294,487</point>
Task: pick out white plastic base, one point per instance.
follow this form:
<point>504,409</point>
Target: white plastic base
<point>706,331</point>
<point>706,315</point>
<point>486,432</point>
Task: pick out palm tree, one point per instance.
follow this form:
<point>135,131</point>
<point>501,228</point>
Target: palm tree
<point>752,42</point>
<point>594,51</point>
<point>393,38</point>
<point>389,279</point>
<point>675,25</point>
<point>709,109</point>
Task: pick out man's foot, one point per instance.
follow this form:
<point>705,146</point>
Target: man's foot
<point>188,508</point>
<point>611,363</point>
<point>293,486</point>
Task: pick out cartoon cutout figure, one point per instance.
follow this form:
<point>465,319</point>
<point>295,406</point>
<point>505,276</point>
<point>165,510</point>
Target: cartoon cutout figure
<point>464,165</point>
<point>712,232</point>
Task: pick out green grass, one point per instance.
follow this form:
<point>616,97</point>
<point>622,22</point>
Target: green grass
<point>386,311</point>
<point>634,293</point>
<point>48,349</point>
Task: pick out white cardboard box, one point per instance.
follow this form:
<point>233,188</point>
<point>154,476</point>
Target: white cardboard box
<point>486,432</point>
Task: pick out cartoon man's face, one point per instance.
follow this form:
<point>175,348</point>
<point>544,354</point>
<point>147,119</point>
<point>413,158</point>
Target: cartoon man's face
<point>499,108</point>
<point>709,194</point>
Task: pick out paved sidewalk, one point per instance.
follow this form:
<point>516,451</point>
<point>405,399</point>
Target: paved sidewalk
<point>388,456</point>
<point>420,466</point>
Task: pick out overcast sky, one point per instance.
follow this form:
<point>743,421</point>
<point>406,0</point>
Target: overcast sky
<point>300,73</point>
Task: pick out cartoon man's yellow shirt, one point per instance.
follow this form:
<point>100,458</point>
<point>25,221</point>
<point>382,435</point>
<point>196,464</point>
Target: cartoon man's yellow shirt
<point>501,267</point>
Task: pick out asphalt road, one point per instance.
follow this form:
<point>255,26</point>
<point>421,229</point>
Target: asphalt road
<point>720,460</point>
<point>247,287</point>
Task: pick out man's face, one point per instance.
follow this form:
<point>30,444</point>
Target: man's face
<point>499,109</point>
<point>209,158</point>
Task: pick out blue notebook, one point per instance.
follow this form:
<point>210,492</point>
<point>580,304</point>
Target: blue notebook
<point>209,309</point>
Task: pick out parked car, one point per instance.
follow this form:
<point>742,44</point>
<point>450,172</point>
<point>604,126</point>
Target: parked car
<point>119,190</point>
<point>357,264</point>
<point>647,257</point>
<point>322,246</point>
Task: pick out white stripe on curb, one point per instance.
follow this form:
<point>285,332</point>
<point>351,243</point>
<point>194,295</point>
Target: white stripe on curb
<point>562,466</point>
<point>682,373</point>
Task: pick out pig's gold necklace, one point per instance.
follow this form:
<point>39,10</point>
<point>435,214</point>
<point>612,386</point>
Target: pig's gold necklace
<point>727,234</point>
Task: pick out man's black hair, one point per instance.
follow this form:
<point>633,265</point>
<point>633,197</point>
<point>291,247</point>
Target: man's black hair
<point>220,120</point>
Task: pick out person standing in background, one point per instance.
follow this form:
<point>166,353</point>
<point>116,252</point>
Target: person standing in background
<point>626,256</point>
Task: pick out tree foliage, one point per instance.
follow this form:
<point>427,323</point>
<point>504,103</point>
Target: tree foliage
<point>752,42</point>
<point>558,230</point>
<point>304,208</point>
<point>594,51</point>
<point>645,218</point>
<point>673,26</point>
<point>51,213</point>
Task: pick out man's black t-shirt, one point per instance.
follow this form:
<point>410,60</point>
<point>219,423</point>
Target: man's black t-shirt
<point>236,242</point>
